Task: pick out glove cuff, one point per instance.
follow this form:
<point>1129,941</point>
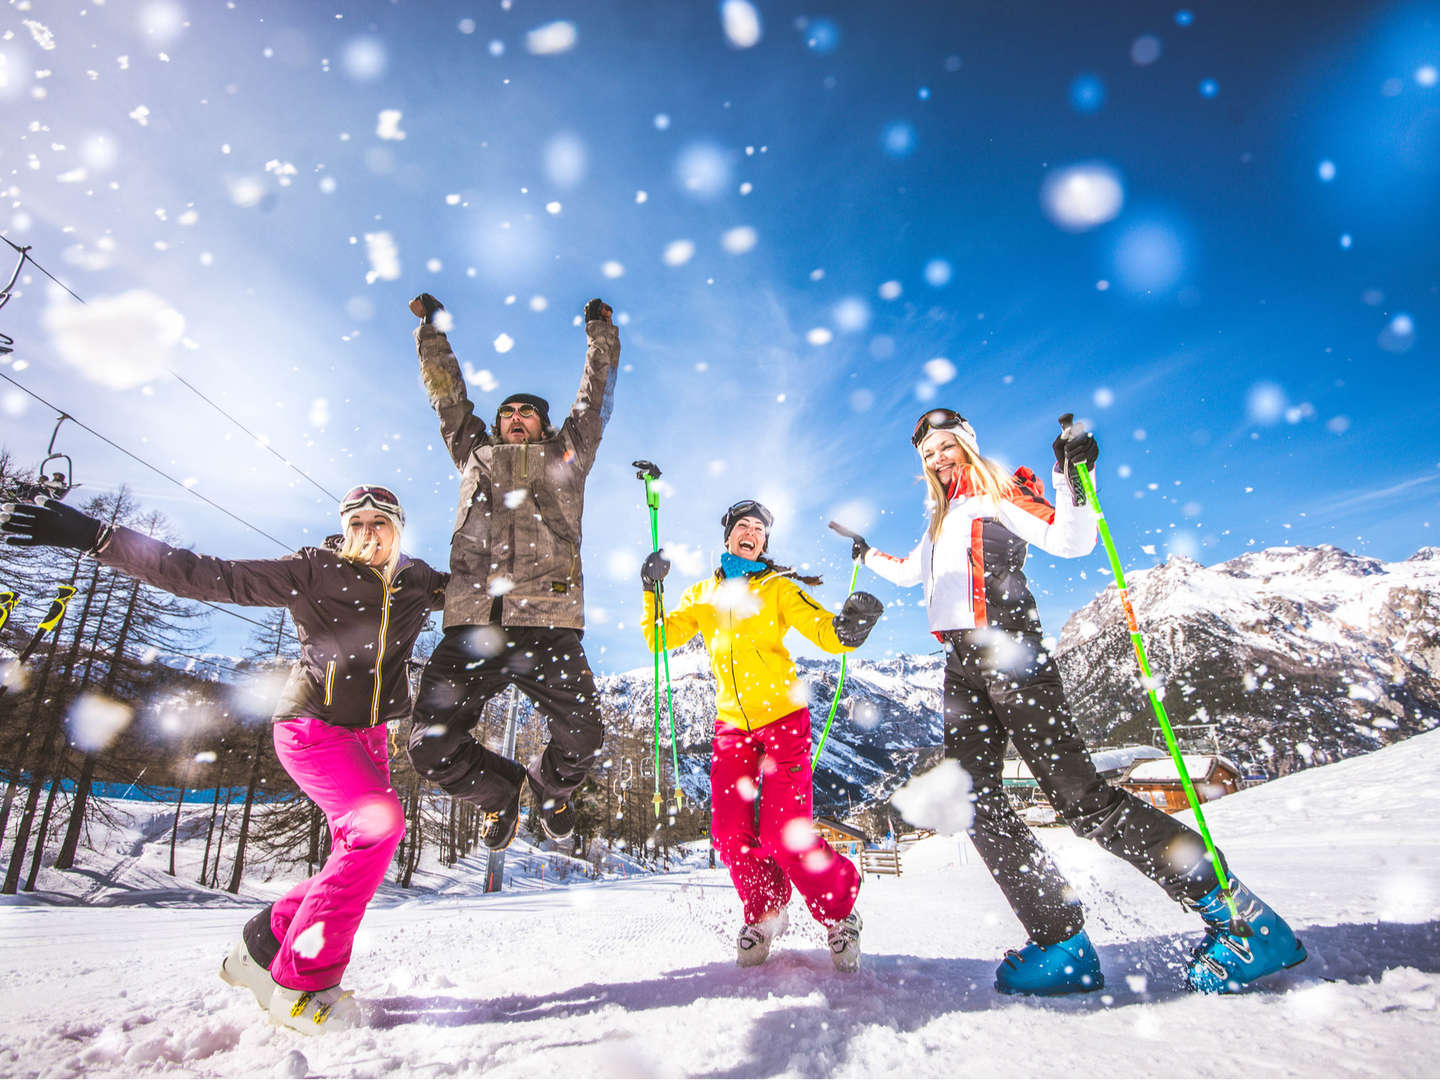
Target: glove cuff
<point>102,539</point>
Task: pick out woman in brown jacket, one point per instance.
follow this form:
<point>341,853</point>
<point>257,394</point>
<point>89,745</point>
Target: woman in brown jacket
<point>357,612</point>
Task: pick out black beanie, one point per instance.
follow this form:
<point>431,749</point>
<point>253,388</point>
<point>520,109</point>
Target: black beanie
<point>541,406</point>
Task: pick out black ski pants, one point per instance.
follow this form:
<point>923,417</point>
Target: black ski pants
<point>470,666</point>
<point>1001,685</point>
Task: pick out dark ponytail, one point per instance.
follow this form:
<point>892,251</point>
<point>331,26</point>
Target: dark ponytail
<point>789,571</point>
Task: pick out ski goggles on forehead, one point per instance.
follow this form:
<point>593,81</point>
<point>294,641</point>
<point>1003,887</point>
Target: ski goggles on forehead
<point>374,496</point>
<point>747,508</point>
<point>941,420</point>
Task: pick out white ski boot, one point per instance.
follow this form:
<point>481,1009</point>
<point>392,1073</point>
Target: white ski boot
<point>240,969</point>
<point>844,938</point>
<point>313,1012</point>
<point>753,945</point>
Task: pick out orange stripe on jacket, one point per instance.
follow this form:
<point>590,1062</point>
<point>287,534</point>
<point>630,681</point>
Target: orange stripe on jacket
<point>1031,496</point>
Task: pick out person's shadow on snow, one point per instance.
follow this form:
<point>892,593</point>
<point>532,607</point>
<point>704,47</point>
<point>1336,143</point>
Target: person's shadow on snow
<point>905,993</point>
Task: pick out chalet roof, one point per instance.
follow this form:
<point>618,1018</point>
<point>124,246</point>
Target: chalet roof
<point>1106,761</point>
<point>842,829</point>
<point>1163,771</point>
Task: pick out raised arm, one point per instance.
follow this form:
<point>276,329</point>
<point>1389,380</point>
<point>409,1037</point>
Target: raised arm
<point>596,396</point>
<point>681,623</point>
<point>445,385</point>
<point>1064,529</point>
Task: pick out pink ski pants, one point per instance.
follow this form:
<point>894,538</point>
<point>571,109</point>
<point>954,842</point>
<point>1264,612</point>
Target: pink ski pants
<point>784,849</point>
<point>346,771</point>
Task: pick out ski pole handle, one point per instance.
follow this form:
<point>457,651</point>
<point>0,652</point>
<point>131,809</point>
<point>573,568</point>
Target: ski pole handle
<point>649,472</point>
<point>849,534</point>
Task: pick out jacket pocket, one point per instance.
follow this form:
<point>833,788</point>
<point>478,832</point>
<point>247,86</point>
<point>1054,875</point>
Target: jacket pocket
<point>330,683</point>
<point>469,484</point>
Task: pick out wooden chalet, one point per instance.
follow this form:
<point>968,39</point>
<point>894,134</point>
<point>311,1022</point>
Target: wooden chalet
<point>846,839</point>
<point>1158,782</point>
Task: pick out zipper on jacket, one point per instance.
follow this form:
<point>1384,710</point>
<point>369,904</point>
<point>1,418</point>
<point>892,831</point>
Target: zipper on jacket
<point>730,613</point>
<point>330,683</point>
<point>385,589</point>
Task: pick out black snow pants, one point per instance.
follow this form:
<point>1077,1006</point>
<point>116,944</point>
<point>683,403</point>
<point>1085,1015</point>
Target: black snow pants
<point>1001,685</point>
<point>470,666</point>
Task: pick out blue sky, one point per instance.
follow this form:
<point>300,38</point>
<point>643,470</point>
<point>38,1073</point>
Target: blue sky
<point>813,222</point>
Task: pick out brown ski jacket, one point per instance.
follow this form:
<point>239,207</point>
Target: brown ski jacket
<point>517,529</point>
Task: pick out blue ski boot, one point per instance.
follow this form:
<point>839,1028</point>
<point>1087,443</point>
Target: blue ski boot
<point>1067,967</point>
<point>1235,952</point>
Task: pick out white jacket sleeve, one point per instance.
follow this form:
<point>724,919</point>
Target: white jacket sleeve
<point>904,572</point>
<point>1066,530</point>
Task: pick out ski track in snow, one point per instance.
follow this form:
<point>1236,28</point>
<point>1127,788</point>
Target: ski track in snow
<point>636,977</point>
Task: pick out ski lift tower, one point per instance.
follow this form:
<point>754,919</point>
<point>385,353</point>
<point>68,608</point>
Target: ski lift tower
<point>495,860</point>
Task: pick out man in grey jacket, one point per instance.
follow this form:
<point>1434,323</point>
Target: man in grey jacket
<point>514,607</point>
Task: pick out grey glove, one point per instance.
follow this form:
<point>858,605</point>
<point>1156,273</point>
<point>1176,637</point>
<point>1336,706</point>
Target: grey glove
<point>653,570</point>
<point>598,309</point>
<point>49,523</point>
<point>857,618</point>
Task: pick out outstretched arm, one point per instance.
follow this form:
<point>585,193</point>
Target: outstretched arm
<point>596,396</point>
<point>802,611</point>
<point>445,386</point>
<point>903,572</point>
<point>252,582</point>
<point>256,582</point>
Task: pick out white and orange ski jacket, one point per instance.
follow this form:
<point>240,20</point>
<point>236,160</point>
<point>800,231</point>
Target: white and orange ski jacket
<point>973,574</point>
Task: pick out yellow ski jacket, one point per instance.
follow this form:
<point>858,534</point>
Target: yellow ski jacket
<point>743,622</point>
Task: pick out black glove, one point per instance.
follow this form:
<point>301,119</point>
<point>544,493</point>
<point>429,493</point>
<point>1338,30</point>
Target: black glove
<point>858,546</point>
<point>598,309</point>
<point>1075,446</point>
<point>857,618</point>
<point>425,306</point>
<point>654,569</point>
<point>49,524</point>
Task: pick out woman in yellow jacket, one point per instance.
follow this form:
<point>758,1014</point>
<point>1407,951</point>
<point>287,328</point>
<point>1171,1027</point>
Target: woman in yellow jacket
<point>761,748</point>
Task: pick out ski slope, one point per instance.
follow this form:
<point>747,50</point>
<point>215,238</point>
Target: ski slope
<point>635,976</point>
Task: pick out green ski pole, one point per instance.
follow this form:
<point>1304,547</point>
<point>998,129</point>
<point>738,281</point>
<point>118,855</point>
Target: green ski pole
<point>1238,925</point>
<point>840,682</point>
<point>649,472</point>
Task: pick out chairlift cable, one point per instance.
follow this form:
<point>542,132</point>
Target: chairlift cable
<point>155,469</point>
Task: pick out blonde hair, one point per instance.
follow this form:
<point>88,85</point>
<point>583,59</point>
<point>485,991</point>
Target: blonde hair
<point>355,549</point>
<point>986,478</point>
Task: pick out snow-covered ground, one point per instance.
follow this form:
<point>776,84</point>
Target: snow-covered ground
<point>636,977</point>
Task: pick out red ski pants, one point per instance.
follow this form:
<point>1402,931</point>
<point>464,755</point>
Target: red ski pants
<point>346,771</point>
<point>773,764</point>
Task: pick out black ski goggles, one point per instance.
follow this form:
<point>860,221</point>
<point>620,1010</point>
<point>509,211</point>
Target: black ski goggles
<point>526,410</point>
<point>743,509</point>
<point>941,420</point>
<point>375,497</point>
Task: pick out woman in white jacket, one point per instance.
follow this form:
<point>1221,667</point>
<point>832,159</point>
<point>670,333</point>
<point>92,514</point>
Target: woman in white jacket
<point>1001,685</point>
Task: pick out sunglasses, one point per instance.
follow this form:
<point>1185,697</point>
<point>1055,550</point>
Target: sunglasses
<point>380,498</point>
<point>524,410</point>
<point>940,420</point>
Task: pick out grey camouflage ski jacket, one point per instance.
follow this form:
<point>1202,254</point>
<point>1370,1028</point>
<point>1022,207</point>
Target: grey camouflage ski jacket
<point>517,528</point>
<point>355,634</point>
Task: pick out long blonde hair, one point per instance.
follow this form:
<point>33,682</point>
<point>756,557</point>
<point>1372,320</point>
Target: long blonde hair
<point>986,478</point>
<point>355,549</point>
